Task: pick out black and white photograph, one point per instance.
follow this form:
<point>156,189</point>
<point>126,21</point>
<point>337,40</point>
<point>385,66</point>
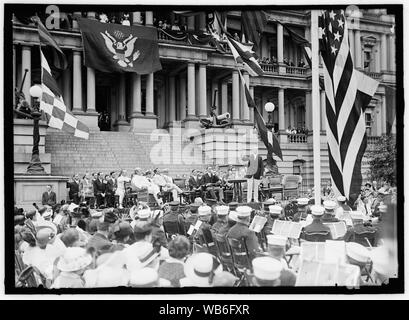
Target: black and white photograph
<point>203,149</point>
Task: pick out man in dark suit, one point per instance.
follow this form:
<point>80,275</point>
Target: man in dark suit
<point>110,190</point>
<point>211,182</point>
<point>74,187</point>
<point>99,189</point>
<point>49,197</point>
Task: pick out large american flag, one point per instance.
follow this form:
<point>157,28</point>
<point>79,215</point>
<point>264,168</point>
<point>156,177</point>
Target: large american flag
<point>51,102</point>
<point>348,92</point>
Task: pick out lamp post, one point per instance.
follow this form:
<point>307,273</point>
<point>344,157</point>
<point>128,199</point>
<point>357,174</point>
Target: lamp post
<point>269,107</point>
<point>35,166</point>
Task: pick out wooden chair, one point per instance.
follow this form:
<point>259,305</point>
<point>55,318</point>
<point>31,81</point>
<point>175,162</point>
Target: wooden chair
<point>276,186</point>
<point>241,257</point>
<point>224,253</point>
<point>291,183</point>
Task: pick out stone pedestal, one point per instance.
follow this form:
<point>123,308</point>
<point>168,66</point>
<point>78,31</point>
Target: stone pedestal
<point>30,188</point>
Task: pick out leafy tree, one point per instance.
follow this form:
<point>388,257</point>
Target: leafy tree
<point>382,160</point>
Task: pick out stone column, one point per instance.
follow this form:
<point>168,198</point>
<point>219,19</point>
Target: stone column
<point>191,23</point>
<point>136,18</point>
<point>90,90</point>
<point>202,91</point>
<point>26,64</point>
<point>67,85</point>
<point>149,95</point>
<point>235,96</point>
<point>148,18</point>
<point>202,22</point>
<point>281,119</point>
<point>172,99</point>
<point>225,100</point>
<point>280,43</point>
<point>191,95</point>
<point>121,123</point>
<point>182,97</point>
<point>251,89</point>
<point>384,53</point>
<point>77,82</point>
<point>75,25</point>
<point>308,110</point>
<point>358,50</point>
<point>383,114</point>
<point>245,107</point>
<point>323,111</point>
<point>351,39</point>
<point>392,60</point>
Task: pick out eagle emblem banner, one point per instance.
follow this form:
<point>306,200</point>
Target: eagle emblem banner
<point>110,47</point>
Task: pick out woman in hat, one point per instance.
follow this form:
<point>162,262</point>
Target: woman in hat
<point>200,269</point>
<point>172,268</point>
<point>72,266</point>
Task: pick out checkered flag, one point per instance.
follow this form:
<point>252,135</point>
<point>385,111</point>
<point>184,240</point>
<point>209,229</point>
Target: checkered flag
<point>51,102</point>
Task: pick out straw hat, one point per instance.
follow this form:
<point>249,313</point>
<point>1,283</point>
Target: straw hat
<point>74,259</point>
<point>198,269</point>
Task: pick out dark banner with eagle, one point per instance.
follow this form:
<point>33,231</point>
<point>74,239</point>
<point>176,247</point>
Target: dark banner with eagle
<point>110,47</point>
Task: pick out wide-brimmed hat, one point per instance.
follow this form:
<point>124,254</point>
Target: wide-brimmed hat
<point>222,210</point>
<point>74,259</point>
<point>243,211</point>
<point>266,268</point>
<point>199,267</point>
<point>139,255</point>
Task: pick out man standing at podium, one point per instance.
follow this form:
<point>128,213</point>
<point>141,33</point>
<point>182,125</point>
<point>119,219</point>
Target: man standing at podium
<point>255,170</point>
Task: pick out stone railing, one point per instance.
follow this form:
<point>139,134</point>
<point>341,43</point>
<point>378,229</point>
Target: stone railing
<point>297,138</point>
<point>374,75</point>
<point>270,68</point>
<point>295,70</point>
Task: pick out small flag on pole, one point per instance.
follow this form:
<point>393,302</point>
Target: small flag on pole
<point>52,103</point>
<point>267,136</point>
<point>348,92</point>
<point>243,54</point>
<point>60,61</point>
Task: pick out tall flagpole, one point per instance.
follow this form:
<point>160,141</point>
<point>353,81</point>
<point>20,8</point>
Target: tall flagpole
<point>315,106</point>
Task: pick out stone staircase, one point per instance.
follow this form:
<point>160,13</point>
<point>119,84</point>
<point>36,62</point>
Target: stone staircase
<point>109,151</point>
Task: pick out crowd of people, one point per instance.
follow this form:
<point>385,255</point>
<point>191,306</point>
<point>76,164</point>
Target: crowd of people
<point>94,241</point>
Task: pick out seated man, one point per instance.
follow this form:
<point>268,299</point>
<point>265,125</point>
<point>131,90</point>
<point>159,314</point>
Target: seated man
<point>166,183</point>
<point>211,182</point>
<point>141,182</point>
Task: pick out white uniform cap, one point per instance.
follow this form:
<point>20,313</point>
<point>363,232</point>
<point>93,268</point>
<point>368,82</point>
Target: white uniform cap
<point>233,215</point>
<point>330,205</point>
<point>357,252</point>
<point>222,210</point>
<point>341,199</point>
<point>266,268</point>
<point>317,210</point>
<point>144,213</point>
<point>275,209</point>
<point>243,211</point>
<point>276,240</point>
<point>302,201</point>
<point>204,210</point>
